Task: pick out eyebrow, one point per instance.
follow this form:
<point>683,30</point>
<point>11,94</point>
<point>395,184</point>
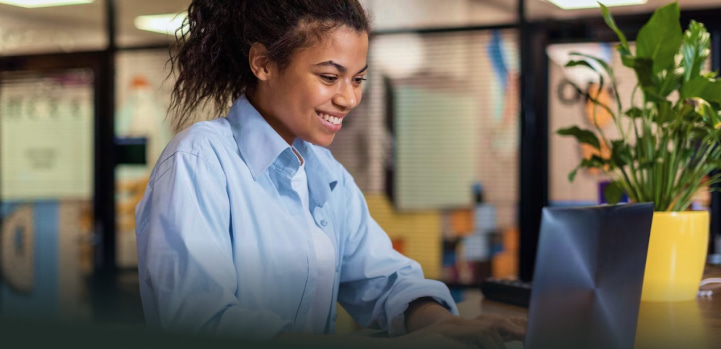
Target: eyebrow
<point>340,68</point>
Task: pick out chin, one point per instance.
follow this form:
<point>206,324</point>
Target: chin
<point>322,141</point>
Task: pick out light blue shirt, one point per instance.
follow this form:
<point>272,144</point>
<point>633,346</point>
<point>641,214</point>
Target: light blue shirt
<point>221,243</point>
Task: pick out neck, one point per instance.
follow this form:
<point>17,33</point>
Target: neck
<point>260,104</point>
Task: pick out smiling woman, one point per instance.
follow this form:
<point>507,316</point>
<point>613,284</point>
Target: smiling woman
<point>310,97</point>
<point>248,226</point>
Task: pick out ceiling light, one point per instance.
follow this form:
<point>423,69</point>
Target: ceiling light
<point>164,24</point>
<point>580,4</point>
<point>44,3</point>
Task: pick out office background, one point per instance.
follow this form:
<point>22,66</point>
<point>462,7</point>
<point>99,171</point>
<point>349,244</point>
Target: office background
<point>461,93</point>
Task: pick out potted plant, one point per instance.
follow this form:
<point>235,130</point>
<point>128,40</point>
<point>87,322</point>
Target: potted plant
<point>668,144</point>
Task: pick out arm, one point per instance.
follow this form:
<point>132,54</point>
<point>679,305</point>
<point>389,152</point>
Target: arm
<point>185,260</point>
<point>377,283</point>
<point>424,312</point>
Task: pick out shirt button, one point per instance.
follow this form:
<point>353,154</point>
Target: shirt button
<point>323,222</point>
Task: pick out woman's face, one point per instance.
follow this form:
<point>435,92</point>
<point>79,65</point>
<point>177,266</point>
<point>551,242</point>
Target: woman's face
<point>322,84</point>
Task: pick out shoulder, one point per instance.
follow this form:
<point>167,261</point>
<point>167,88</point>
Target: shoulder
<point>204,141</point>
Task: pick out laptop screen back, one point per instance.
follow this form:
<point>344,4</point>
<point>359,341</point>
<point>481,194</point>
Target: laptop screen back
<point>588,277</point>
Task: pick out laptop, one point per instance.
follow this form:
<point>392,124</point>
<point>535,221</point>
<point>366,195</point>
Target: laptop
<point>588,277</point>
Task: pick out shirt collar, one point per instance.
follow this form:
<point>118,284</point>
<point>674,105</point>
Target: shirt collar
<point>261,146</point>
<point>257,141</point>
<point>321,181</point>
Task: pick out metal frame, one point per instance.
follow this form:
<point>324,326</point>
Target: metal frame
<point>534,140</point>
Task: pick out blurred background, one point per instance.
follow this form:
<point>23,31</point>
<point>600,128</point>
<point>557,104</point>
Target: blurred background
<point>453,144</point>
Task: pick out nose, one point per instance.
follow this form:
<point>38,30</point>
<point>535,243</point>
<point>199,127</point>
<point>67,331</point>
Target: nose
<point>346,97</point>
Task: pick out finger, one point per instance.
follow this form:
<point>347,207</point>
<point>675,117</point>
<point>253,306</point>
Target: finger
<point>498,340</point>
<point>487,341</point>
<point>471,332</point>
<point>511,330</point>
<point>520,320</point>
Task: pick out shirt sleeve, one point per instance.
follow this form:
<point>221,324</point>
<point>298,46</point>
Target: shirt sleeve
<point>187,275</point>
<point>377,282</point>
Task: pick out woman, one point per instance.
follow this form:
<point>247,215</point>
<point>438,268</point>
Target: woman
<point>248,227</point>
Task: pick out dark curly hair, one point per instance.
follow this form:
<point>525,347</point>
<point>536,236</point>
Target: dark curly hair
<point>210,57</point>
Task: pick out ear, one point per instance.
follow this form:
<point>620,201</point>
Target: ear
<point>260,64</point>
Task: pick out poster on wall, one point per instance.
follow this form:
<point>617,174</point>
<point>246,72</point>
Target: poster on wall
<point>46,124</point>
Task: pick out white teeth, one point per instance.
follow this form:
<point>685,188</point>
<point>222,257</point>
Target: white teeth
<point>332,119</point>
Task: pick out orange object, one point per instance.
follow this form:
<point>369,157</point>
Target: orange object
<point>602,116</point>
<point>462,222</point>
<point>398,245</point>
<point>139,81</point>
<point>505,264</point>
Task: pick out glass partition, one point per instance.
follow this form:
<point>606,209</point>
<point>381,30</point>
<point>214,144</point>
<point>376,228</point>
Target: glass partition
<point>46,187</point>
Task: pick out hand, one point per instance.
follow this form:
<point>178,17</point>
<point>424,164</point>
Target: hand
<point>511,328</point>
<point>485,331</point>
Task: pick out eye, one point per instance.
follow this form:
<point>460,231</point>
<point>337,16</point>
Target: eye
<point>329,78</point>
<point>359,80</point>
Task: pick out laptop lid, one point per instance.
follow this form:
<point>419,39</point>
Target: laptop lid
<point>588,277</point>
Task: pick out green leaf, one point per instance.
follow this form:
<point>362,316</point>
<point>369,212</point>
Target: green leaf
<point>652,95</point>
<point>715,164</point>
<point>647,164</point>
<point>594,162</point>
<point>695,49</point>
<point>601,62</point>
<point>712,92</point>
<point>692,117</point>
<point>660,38</point>
<point>702,87</point>
<point>698,133</point>
<point>614,193</point>
<point>671,82</point>
<point>582,136</point>
<point>644,70</point>
<point>608,18</point>
<point>628,61</point>
<point>572,175</point>
<point>620,153</point>
<point>665,112</point>
<point>584,63</point>
<point>709,114</point>
<point>694,87</point>
<point>609,72</point>
<point>634,112</point>
<point>685,107</point>
<point>646,78</point>
<point>580,63</point>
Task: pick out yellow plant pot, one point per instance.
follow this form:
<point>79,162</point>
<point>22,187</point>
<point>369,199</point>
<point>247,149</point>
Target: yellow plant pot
<point>676,256</point>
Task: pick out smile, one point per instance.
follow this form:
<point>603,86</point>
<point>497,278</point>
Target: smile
<point>332,119</point>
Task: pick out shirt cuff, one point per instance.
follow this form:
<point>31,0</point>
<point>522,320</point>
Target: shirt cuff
<point>397,308</point>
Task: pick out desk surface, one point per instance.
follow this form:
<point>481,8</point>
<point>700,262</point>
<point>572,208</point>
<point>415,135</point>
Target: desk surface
<point>694,324</point>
